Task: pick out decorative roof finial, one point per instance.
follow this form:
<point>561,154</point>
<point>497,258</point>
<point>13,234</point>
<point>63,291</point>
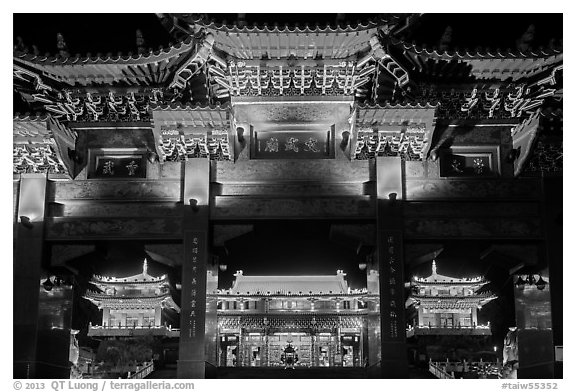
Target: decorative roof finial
<point>433,267</point>
<point>61,45</point>
<point>145,267</point>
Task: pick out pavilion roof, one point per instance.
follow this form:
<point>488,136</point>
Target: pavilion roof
<point>486,65</point>
<point>390,114</point>
<point>282,42</point>
<point>459,302</point>
<point>131,302</point>
<point>436,279</point>
<point>143,69</point>
<point>290,285</point>
<point>276,41</point>
<point>141,278</point>
<point>39,142</point>
<point>196,115</point>
<point>27,127</point>
<point>526,136</point>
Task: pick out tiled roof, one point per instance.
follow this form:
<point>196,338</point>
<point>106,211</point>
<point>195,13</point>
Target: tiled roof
<point>142,69</point>
<point>465,54</point>
<point>436,278</point>
<point>139,278</point>
<point>290,285</point>
<point>488,65</point>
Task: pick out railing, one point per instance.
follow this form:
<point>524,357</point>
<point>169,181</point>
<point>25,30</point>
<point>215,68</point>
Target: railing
<point>130,330</point>
<point>142,372</point>
<point>446,330</point>
<point>439,371</point>
<point>451,370</point>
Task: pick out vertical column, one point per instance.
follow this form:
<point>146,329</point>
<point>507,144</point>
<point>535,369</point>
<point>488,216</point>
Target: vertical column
<point>193,303</point>
<point>374,343</point>
<point>474,317</point>
<point>158,316</point>
<point>106,316</point>
<point>534,321</point>
<point>420,320</point>
<point>394,362</point>
<point>552,212</point>
<point>27,272</point>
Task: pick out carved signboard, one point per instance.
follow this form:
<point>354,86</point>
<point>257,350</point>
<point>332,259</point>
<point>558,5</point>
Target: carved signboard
<point>193,309</point>
<point>119,166</point>
<point>392,286</point>
<point>292,144</point>
<point>469,162</point>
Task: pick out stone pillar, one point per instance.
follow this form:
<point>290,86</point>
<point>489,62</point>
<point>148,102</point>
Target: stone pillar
<point>534,322</point>
<point>390,257</point>
<point>374,343</point>
<point>196,213</point>
<point>28,253</point>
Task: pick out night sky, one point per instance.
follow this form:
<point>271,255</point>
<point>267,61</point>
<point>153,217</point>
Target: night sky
<point>103,33</point>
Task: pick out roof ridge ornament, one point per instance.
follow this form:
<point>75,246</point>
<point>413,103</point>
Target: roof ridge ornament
<point>434,270</point>
<point>145,267</point>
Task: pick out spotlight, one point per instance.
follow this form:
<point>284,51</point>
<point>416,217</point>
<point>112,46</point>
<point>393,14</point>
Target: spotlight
<point>47,284</point>
<point>520,283</point>
<point>362,266</point>
<point>345,139</point>
<point>240,135</point>
<point>26,222</point>
<point>434,155</point>
<point>194,205</point>
<point>223,267</point>
<point>151,156</point>
<point>512,155</point>
<point>541,284</point>
<point>74,156</point>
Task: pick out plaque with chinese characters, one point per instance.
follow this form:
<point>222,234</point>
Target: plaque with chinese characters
<point>392,286</point>
<point>292,144</point>
<point>119,166</point>
<point>460,161</point>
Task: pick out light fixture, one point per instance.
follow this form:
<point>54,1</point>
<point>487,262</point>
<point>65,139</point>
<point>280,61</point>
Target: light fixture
<point>434,155</point>
<point>541,284</point>
<point>74,156</point>
<point>512,155</point>
<point>240,135</point>
<point>151,156</point>
<point>345,139</point>
<point>26,222</point>
<point>362,266</point>
<point>47,284</point>
<point>194,205</point>
<point>223,267</point>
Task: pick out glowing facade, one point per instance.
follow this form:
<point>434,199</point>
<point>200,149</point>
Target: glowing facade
<point>319,316</point>
<point>447,305</point>
<point>132,306</point>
